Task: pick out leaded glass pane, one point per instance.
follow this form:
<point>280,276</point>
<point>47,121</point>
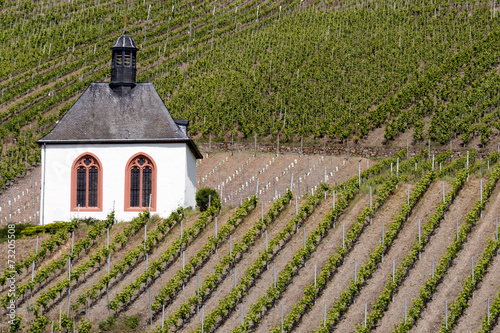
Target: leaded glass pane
<point>93,187</point>
<point>135,187</point>
<point>146,186</point>
<point>81,187</point>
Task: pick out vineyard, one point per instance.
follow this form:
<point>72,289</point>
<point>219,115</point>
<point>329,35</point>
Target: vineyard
<point>407,243</point>
<point>314,72</point>
<point>301,242</point>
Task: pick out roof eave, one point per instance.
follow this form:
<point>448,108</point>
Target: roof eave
<point>191,144</point>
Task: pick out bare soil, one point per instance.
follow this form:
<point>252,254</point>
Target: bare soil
<point>311,170</point>
<point>23,210</point>
<point>24,247</point>
<point>328,245</point>
<point>357,257</point>
<point>375,137</point>
<point>343,174</point>
<point>208,268</point>
<point>436,248</point>
<point>476,311</point>
<point>399,249</point>
<point>267,278</point>
<point>62,300</point>
<point>434,313</point>
<point>224,286</point>
<point>273,172</point>
<point>140,305</point>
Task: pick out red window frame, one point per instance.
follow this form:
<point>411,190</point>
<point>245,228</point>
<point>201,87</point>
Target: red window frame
<point>77,164</point>
<point>132,163</point>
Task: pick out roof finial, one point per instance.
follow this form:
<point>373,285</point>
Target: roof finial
<point>124,24</point>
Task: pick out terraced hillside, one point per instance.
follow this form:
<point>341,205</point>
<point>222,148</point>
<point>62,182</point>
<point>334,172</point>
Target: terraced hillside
<point>391,248</point>
<point>314,72</point>
<point>301,242</point>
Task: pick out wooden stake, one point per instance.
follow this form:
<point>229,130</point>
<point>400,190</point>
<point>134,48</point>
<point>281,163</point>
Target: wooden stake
<point>150,311</point>
<point>304,237</point>
<point>343,237</point>
<point>162,316</point>
<point>365,314</point>
<point>432,267</point>
<point>393,270</point>
<point>324,317</point>
<point>419,237</point>
<point>359,174</point>
<point>405,311</point>
<point>274,270</point>
<point>281,317</point>
<point>202,317</point>
<point>333,199</point>
<point>371,203</point>
<point>446,313</point>
<point>355,271</point>
<point>69,288</point>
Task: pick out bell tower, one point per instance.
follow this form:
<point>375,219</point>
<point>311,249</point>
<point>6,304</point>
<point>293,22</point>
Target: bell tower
<point>123,63</point>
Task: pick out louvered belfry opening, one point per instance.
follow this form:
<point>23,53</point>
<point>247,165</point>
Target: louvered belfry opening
<point>123,64</point>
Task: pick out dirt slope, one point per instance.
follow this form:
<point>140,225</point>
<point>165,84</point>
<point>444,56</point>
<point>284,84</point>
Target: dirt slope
<point>434,313</point>
<point>409,233</point>
<point>434,249</point>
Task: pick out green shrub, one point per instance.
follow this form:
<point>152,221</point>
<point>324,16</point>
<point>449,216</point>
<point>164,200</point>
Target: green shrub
<point>107,324</point>
<point>111,321</point>
<point>132,322</point>
<point>17,324</point>
<point>84,326</point>
<point>66,323</point>
<point>104,326</point>
<point>204,195</point>
<point>50,228</point>
<point>19,229</point>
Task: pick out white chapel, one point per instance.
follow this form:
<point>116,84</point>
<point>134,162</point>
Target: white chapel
<point>117,147</point>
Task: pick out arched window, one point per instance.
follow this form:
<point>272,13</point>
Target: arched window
<point>140,183</point>
<point>86,183</point>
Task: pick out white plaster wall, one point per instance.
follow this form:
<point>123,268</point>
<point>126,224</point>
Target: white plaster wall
<point>190,193</point>
<point>172,178</point>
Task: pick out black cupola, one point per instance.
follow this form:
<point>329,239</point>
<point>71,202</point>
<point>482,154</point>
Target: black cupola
<point>123,63</point>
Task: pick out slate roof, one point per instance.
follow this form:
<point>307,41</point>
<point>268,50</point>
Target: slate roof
<point>105,114</point>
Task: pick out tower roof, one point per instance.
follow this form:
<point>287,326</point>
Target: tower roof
<point>121,111</point>
<point>124,42</point>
